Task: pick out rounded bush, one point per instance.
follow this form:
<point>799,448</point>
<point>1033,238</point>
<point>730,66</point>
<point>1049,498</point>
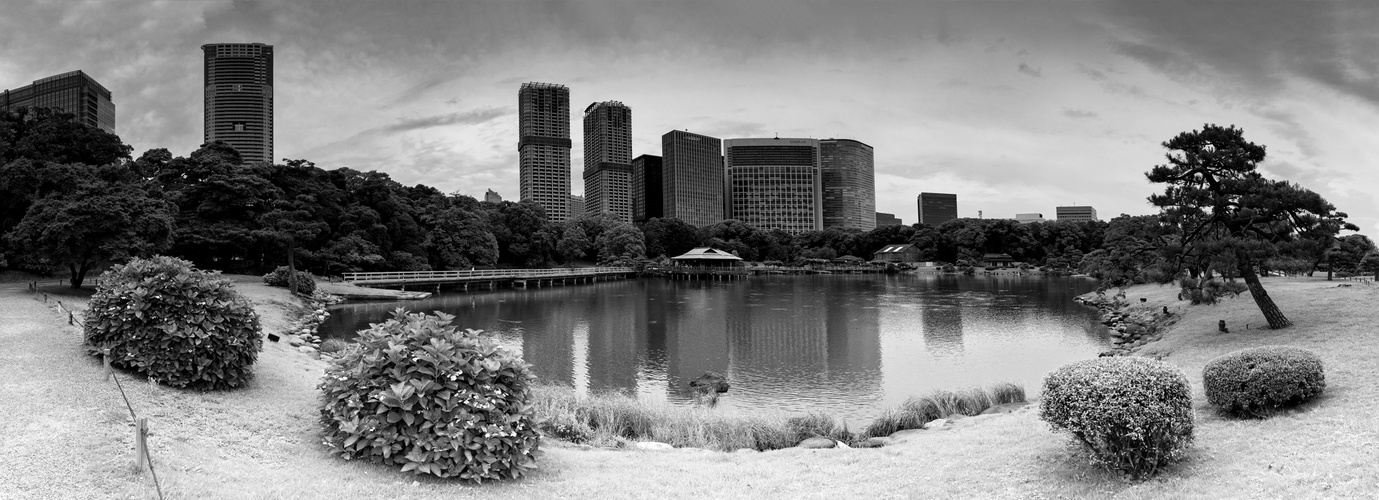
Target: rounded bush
<point>418,393</point>
<point>1257,380</point>
<point>306,283</point>
<point>1133,414</point>
<point>174,323</point>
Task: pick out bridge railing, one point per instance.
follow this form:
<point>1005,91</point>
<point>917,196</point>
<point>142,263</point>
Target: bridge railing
<point>405,276</point>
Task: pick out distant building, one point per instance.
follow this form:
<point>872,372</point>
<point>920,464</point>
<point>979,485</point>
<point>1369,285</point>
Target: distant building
<point>998,260</point>
<point>1029,218</point>
<point>544,147</point>
<point>774,183</point>
<point>73,92</point>
<point>646,188</point>
<point>937,208</point>
<point>492,197</point>
<point>239,98</point>
<point>885,219</point>
<point>897,253</point>
<point>692,178</point>
<point>849,185</point>
<point>608,159</point>
<point>1076,213</point>
<point>575,206</point>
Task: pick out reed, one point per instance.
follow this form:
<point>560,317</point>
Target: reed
<point>917,411</point>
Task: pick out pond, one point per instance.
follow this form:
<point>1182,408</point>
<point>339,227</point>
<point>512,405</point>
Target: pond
<point>846,345</point>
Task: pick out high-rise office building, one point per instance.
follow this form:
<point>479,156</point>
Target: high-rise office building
<point>1076,213</point>
<point>849,184</point>
<point>544,147</point>
<point>646,188</point>
<point>492,197</point>
<point>608,159</point>
<point>239,98</point>
<point>774,183</point>
<point>937,208</point>
<point>575,207</point>
<point>885,219</point>
<point>692,177</point>
<point>73,92</point>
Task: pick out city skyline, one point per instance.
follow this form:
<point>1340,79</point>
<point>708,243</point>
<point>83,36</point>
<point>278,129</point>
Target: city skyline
<point>1015,107</point>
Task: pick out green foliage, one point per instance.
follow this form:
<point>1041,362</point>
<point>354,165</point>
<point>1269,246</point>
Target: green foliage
<point>817,425</point>
<point>306,283</point>
<point>1208,291</point>
<point>917,411</point>
<point>1133,414</point>
<point>176,324</point>
<point>331,346</point>
<point>420,394</point>
<point>620,244</point>
<point>1257,380</point>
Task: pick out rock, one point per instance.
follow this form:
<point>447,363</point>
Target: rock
<point>653,446</point>
<point>710,382</point>
<point>1135,329</point>
<point>936,424</point>
<point>875,442</point>
<point>817,443</point>
<point>306,349</point>
<point>296,341</point>
<point>843,445</point>
<point>1004,408</point>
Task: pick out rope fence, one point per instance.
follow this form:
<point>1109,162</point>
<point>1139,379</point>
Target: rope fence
<point>142,457</point>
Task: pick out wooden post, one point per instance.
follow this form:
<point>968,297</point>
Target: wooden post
<point>105,359</point>
<point>141,444</point>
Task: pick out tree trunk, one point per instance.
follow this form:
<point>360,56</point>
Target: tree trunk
<point>1262,299</point>
<point>77,277</point>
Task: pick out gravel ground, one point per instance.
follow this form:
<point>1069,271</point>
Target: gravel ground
<point>67,432</point>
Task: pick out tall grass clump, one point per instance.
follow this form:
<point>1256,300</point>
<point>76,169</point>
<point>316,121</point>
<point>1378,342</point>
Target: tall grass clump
<point>1133,414</point>
<point>613,418</point>
<point>917,411</point>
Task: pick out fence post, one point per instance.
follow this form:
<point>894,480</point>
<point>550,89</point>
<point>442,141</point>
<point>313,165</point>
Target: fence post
<point>105,359</point>
<point>141,444</point>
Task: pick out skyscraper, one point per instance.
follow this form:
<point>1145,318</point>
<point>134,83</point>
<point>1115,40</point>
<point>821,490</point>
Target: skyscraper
<point>937,208</point>
<point>544,147</point>
<point>575,207</point>
<point>849,184</point>
<point>1076,213</point>
<point>646,188</point>
<point>492,197</point>
<point>608,159</point>
<point>73,92</point>
<point>774,183</point>
<point>692,177</point>
<point>239,98</point>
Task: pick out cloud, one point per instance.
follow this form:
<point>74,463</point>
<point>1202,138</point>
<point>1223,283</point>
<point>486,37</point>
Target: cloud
<point>1034,72</point>
<point>1079,113</point>
<point>459,118</point>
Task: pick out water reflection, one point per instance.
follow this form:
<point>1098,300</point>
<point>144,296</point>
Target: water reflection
<point>843,344</point>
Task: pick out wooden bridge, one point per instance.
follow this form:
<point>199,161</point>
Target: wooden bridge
<point>488,278</point>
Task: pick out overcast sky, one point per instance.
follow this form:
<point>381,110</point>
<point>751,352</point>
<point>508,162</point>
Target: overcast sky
<point>1015,106</point>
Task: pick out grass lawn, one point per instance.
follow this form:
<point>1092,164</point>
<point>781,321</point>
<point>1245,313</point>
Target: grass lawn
<point>262,441</point>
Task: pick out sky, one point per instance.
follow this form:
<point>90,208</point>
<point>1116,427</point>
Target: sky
<point>1017,107</point>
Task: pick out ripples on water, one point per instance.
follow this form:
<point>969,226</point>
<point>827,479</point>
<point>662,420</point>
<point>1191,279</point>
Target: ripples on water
<point>847,345</point>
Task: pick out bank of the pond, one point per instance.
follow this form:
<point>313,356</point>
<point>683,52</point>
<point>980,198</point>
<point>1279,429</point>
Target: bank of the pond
<point>263,441</point>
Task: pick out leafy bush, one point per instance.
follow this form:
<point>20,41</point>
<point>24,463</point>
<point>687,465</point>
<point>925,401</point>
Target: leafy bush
<point>419,393</point>
<point>1133,414</point>
<point>1257,380</point>
<point>174,323</point>
<point>306,283</point>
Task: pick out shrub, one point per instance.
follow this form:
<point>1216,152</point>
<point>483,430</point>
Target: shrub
<point>419,393</point>
<point>306,283</point>
<point>1258,380</point>
<point>174,323</point>
<point>334,345</point>
<point>1133,414</point>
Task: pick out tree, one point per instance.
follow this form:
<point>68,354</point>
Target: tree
<point>288,223</point>
<point>574,242</point>
<point>1225,208</point>
<point>620,244</point>
<point>669,236</point>
<point>460,238</point>
<point>104,215</point>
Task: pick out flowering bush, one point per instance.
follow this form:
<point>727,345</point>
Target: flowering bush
<point>419,393</point>
<point>174,323</point>
<point>1257,380</point>
<point>1133,414</point>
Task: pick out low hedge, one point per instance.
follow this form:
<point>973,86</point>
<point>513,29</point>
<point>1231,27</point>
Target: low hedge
<point>306,282</point>
<point>1258,380</point>
<point>1133,414</point>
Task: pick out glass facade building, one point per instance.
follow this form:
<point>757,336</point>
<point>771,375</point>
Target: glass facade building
<point>692,179</point>
<point>774,183</point>
<point>239,98</point>
<point>937,208</point>
<point>646,188</point>
<point>73,92</point>
<point>608,159</point>
<point>849,184</point>
<point>544,148</point>
<point>1076,213</point>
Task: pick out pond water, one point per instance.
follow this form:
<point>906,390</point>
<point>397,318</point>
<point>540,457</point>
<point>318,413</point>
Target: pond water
<point>846,345</point>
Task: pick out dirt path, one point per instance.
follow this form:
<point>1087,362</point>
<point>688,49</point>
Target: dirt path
<point>66,432</point>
